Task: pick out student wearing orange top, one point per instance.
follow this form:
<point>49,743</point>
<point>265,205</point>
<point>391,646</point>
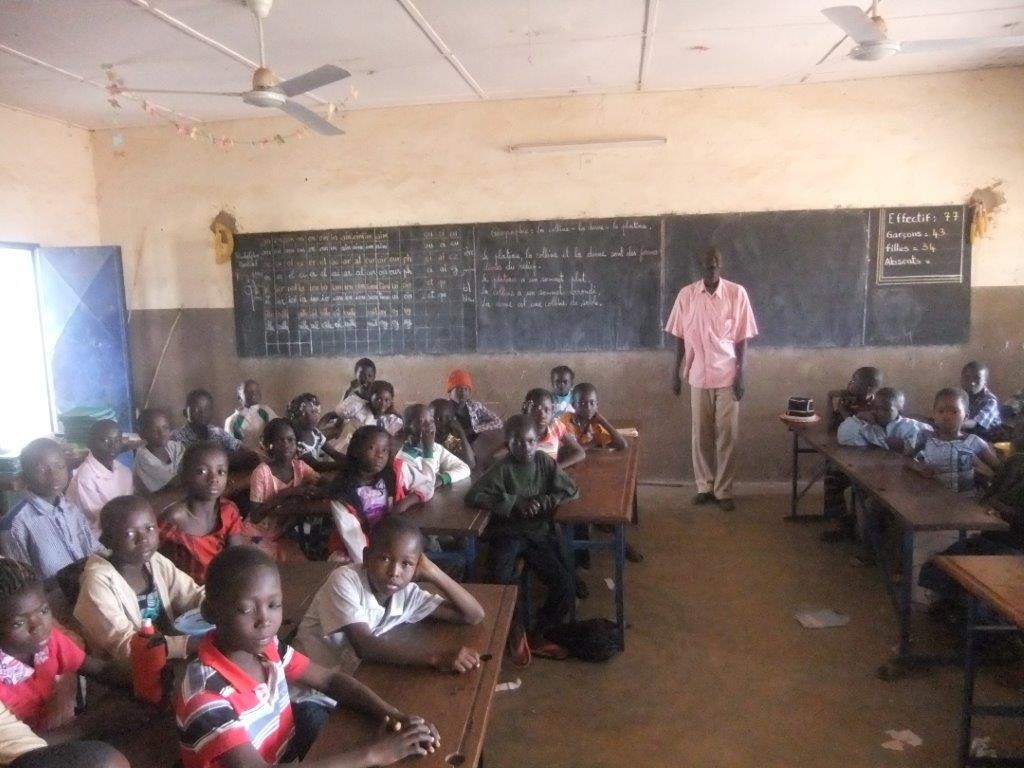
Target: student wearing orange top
<point>194,531</point>
<point>587,425</point>
<point>712,321</point>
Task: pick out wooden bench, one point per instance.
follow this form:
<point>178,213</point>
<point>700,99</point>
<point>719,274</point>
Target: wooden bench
<point>997,581</point>
<point>459,705</point>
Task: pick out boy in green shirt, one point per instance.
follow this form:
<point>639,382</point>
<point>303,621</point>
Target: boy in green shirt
<point>522,492</point>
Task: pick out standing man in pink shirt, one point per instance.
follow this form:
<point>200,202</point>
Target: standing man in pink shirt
<point>712,320</point>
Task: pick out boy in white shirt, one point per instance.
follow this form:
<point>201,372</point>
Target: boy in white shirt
<point>425,456</point>
<point>250,417</point>
<point>158,460</point>
<point>358,604</point>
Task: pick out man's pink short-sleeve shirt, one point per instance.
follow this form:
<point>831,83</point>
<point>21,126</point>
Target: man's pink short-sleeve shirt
<point>710,325</point>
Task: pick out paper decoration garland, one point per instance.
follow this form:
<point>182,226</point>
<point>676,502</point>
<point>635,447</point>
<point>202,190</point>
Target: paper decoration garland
<point>116,90</point>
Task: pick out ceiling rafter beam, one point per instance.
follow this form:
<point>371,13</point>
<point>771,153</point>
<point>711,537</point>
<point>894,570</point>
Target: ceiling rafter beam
<point>647,40</point>
<point>442,47</point>
<point>195,34</point>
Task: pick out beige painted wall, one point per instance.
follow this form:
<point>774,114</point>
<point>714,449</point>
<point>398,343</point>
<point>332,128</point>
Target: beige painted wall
<point>915,140</point>
<point>906,141</point>
<point>47,182</point>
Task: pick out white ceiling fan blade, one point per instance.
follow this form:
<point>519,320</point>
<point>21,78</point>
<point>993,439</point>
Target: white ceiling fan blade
<point>854,22</point>
<point>185,93</point>
<point>310,118</point>
<point>315,78</point>
<point>961,43</point>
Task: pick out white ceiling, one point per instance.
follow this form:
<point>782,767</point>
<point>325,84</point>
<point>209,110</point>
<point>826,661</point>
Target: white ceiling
<point>428,51</point>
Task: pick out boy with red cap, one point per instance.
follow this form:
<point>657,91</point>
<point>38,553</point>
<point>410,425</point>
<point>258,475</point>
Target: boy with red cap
<point>474,416</point>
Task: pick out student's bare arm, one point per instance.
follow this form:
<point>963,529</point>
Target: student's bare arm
<point>385,751</point>
<point>467,452</point>
<point>677,382</point>
<point>405,504</point>
<point>106,672</point>
<point>990,458</point>
<point>618,441</point>
<point>459,606</point>
<point>570,452</point>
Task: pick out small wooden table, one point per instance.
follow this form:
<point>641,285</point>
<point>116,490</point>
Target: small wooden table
<point>607,483</point>
<point>998,581</point>
<point>917,504</point>
<point>459,705</point>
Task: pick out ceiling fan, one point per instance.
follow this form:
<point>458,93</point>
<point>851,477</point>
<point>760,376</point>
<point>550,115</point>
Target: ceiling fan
<point>873,43</point>
<point>267,91</point>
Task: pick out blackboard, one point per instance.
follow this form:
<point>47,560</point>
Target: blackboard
<point>921,291</point>
<point>568,285</point>
<point>806,271</point>
<point>816,278</point>
<point>554,285</point>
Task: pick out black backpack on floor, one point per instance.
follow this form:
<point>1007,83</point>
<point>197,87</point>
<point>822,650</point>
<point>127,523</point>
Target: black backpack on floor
<point>590,640</point>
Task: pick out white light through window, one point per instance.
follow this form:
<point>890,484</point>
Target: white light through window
<point>24,387</point>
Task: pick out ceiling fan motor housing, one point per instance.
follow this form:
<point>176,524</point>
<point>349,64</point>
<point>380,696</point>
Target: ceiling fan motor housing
<point>875,51</point>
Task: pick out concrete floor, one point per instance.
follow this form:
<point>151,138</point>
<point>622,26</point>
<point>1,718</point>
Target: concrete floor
<point>717,672</point>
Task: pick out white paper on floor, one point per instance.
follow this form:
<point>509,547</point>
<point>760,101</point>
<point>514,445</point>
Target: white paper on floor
<point>610,583</point>
<point>509,686</point>
<point>821,619</point>
<point>981,746</point>
<point>900,739</point>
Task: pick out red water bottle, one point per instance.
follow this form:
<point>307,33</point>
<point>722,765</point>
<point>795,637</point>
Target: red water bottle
<point>147,664</point>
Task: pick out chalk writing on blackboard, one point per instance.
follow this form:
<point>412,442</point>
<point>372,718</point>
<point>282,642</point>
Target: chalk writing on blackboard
<point>920,245</point>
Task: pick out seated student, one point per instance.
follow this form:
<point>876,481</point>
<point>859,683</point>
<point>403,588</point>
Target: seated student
<point>474,416</point>
<point>197,428</point>
<point>282,479</point>
<point>45,529</point>
<point>233,708</point>
<point>562,380</point>
<point>365,373</point>
<point>101,477</point>
<point>358,604</point>
<point>132,583</point>
<point>949,455</point>
<point>423,454</point>
<point>840,404</point>
<point>592,431</point>
<point>522,492</point>
<point>587,425</point>
<point>1006,496</point>
<point>356,412</point>
<point>158,460</point>
<point>34,654</point>
<point>884,426</point>
<point>450,432</point>
<point>310,443</point>
<point>553,436</point>
<point>20,747</point>
<point>250,417</point>
<point>193,531</point>
<point>983,416</point>
<point>368,486</point>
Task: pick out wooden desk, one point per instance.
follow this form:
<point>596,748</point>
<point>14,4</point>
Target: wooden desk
<point>299,583</point>
<point>607,483</point>
<point>238,483</point>
<point>459,705</point>
<point>998,581</point>
<point>916,503</point>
